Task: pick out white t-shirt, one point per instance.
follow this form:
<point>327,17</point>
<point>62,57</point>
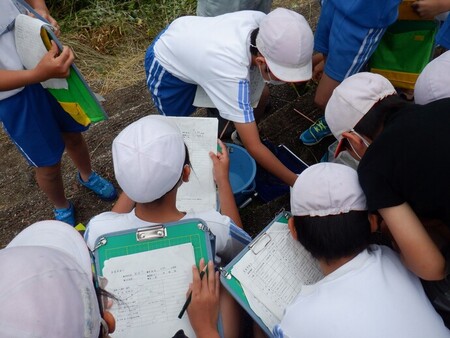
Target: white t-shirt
<point>373,295</point>
<point>9,59</point>
<point>230,239</point>
<point>214,53</point>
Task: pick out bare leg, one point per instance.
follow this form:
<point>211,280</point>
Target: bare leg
<point>258,332</point>
<point>50,181</point>
<point>231,315</point>
<point>77,150</point>
<point>324,90</point>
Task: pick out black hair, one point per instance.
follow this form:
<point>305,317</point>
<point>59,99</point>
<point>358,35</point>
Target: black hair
<point>253,50</point>
<point>187,159</point>
<point>374,120</point>
<point>334,236</point>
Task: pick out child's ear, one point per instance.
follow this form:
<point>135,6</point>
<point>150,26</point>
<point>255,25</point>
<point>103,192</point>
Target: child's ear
<point>260,60</point>
<point>292,228</point>
<point>186,173</point>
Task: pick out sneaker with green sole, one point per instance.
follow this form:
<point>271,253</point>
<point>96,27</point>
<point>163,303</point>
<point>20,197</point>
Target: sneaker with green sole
<point>102,188</point>
<point>316,133</point>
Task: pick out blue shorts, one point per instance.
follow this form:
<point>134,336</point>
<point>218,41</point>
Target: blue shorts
<point>443,36</point>
<point>171,96</point>
<point>34,121</point>
<point>347,45</point>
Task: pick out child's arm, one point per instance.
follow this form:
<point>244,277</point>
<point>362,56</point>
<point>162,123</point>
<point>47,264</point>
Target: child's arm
<point>52,65</point>
<point>430,8</point>
<point>41,8</point>
<point>221,163</point>
<point>417,249</point>
<point>248,132</point>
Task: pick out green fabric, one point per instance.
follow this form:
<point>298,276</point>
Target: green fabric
<point>407,46</point>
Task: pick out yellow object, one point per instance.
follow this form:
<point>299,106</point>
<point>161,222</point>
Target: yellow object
<point>72,108</point>
<point>76,111</point>
<point>80,227</point>
<point>398,79</point>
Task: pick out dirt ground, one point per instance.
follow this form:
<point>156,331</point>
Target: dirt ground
<point>22,203</point>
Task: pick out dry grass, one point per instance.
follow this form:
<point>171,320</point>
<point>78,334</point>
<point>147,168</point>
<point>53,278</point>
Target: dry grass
<point>106,73</point>
<point>110,58</point>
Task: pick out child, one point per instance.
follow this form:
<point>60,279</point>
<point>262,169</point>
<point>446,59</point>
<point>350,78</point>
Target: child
<point>366,291</point>
<point>150,163</point>
<point>401,170</point>
<point>221,55</point>
<point>35,121</point>
<point>347,34</point>
<point>47,286</point>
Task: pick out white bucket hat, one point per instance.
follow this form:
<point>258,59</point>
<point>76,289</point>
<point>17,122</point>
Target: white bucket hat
<point>327,189</point>
<point>352,99</point>
<point>46,288</point>
<point>434,81</point>
<point>148,157</point>
<point>286,42</point>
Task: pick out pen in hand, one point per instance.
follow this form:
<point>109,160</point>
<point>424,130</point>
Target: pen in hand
<point>188,300</point>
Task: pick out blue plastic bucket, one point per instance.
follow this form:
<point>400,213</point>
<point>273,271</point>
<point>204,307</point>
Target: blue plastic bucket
<point>242,173</point>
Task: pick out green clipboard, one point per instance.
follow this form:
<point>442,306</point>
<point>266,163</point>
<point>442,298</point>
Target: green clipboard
<point>78,100</point>
<point>134,241</point>
<point>232,284</point>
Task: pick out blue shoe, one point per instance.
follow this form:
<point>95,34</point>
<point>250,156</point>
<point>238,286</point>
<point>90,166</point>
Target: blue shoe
<point>102,188</point>
<point>316,133</point>
<point>66,215</point>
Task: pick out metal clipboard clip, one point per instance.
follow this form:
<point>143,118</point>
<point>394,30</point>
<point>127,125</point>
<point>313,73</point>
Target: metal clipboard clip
<point>150,233</point>
<point>260,243</point>
<point>225,273</point>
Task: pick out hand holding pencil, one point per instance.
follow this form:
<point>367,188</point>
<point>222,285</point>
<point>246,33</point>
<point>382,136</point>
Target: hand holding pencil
<point>203,309</point>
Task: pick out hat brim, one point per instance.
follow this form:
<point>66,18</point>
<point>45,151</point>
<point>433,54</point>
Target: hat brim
<point>340,147</point>
<point>287,74</point>
<point>56,235</point>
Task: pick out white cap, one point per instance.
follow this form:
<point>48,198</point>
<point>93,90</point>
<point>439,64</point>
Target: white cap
<point>57,235</point>
<point>46,289</point>
<point>286,42</point>
<point>148,157</point>
<point>434,81</point>
<point>352,99</point>
<point>327,189</point>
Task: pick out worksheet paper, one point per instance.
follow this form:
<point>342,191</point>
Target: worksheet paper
<point>30,47</point>
<point>151,288</point>
<point>200,136</point>
<point>273,271</point>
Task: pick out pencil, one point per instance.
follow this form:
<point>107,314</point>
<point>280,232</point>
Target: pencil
<point>188,300</point>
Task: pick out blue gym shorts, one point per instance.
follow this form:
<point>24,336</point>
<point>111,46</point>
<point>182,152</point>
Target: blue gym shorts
<point>347,45</point>
<point>34,121</point>
<point>171,96</point>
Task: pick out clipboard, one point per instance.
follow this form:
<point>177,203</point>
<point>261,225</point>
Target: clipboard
<point>135,241</point>
<point>233,285</point>
<point>78,100</point>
